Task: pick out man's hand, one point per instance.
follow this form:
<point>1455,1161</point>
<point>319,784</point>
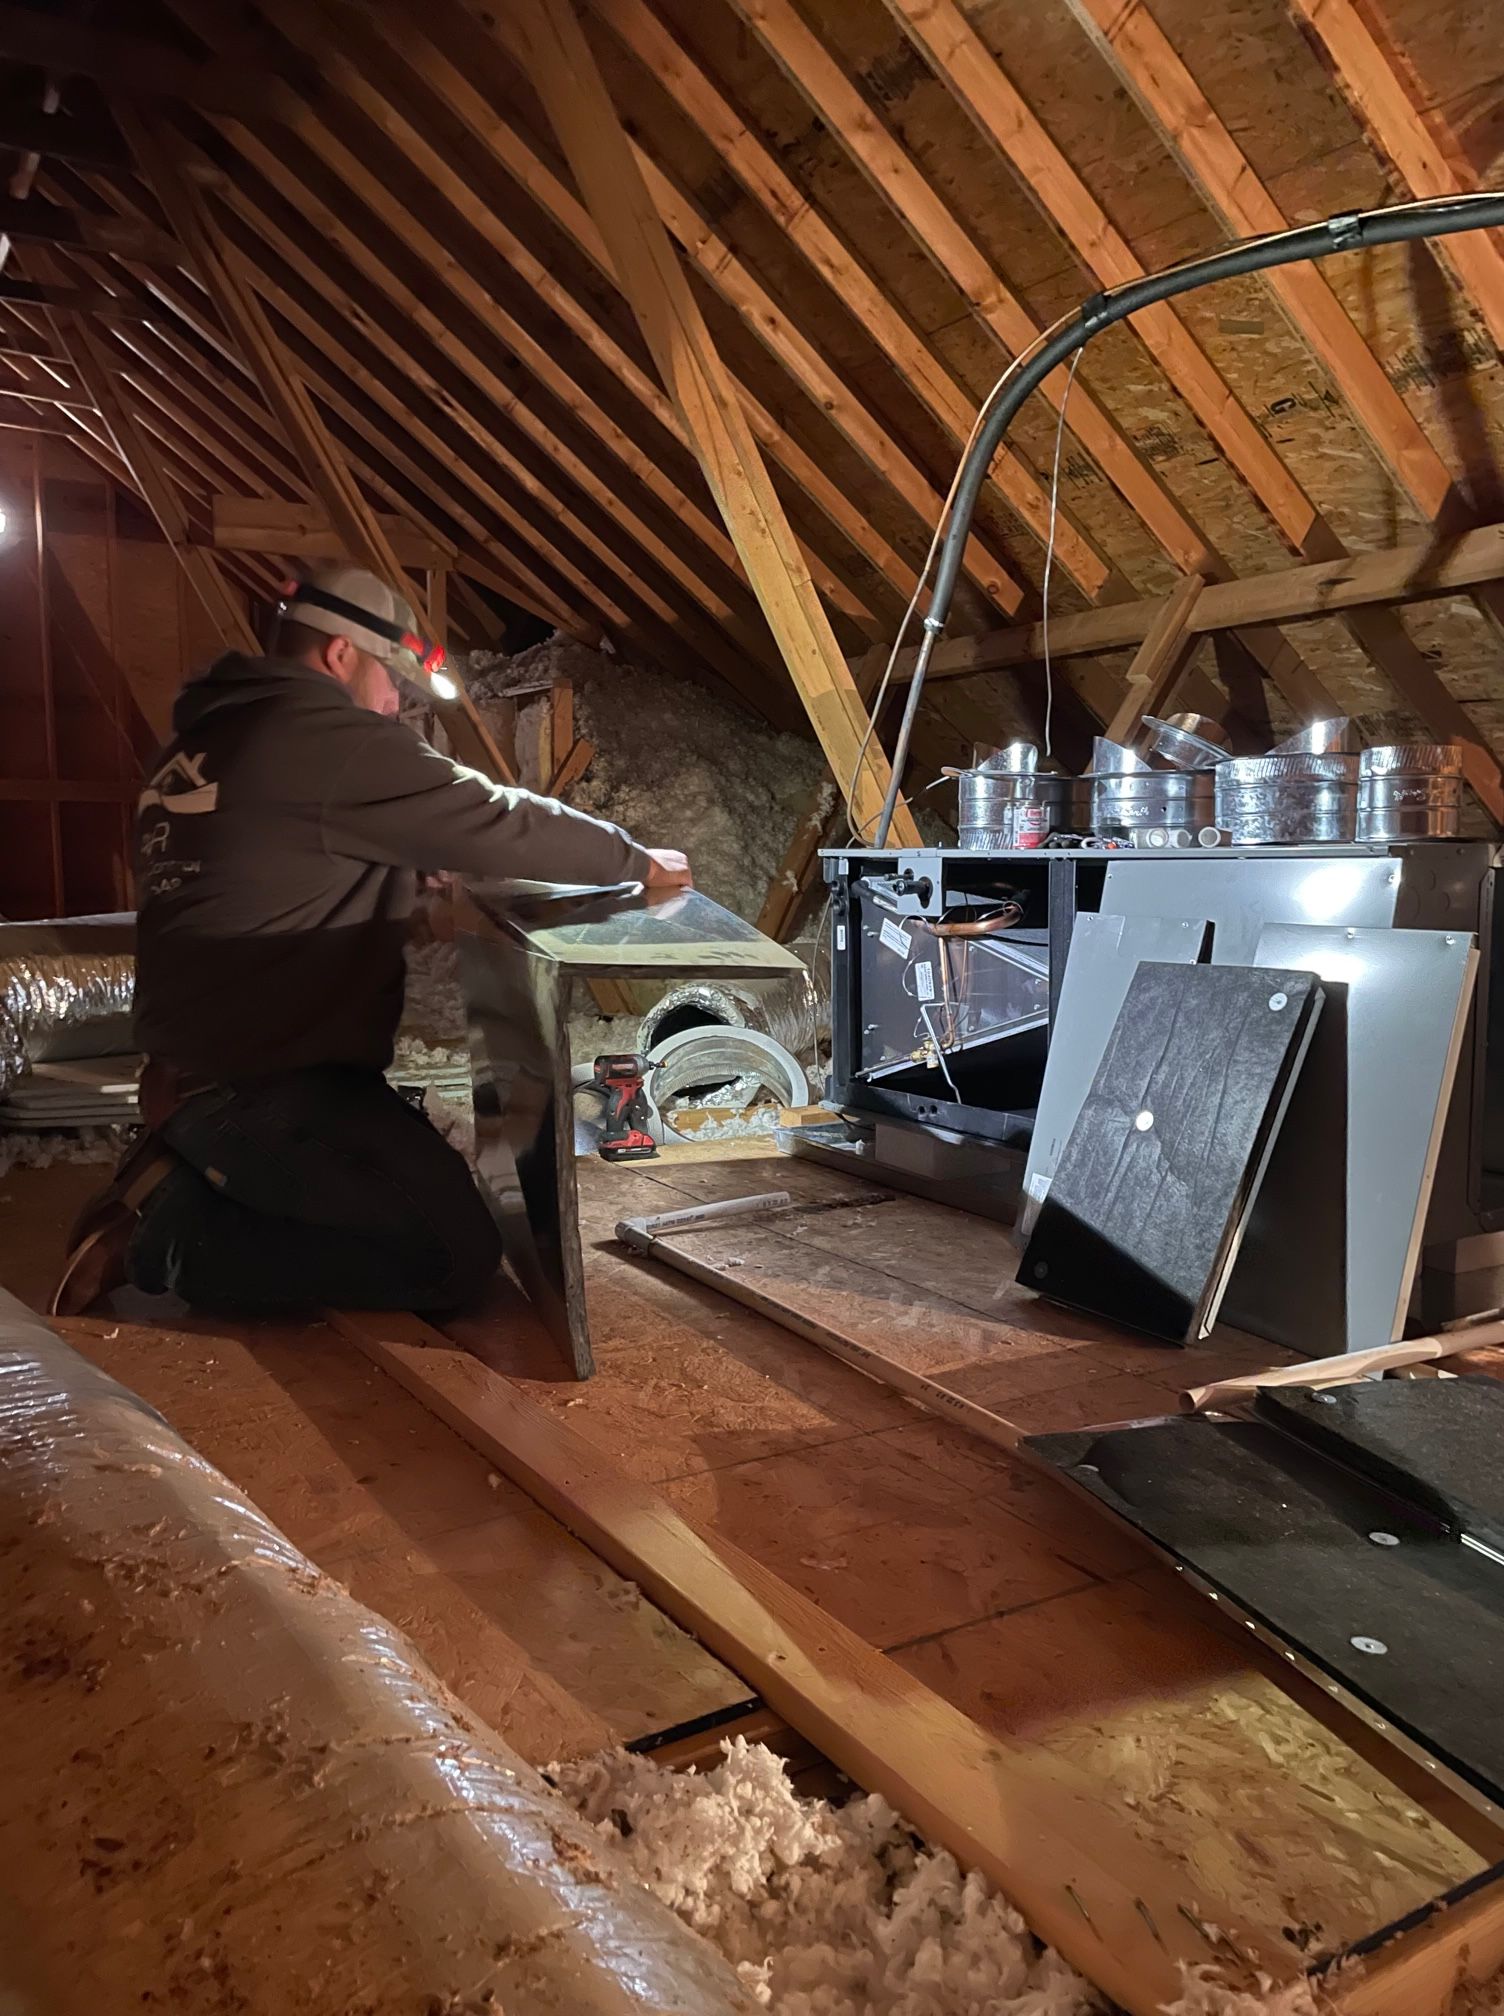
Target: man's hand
<point>670,869</point>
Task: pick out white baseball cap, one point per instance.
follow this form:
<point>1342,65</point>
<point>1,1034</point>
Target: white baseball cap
<point>352,602</point>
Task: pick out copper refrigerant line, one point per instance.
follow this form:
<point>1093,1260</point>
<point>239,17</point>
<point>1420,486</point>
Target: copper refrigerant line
<point>1350,231</point>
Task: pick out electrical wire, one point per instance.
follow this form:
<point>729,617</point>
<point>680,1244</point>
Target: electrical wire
<point>1049,556</point>
<point>857,832</point>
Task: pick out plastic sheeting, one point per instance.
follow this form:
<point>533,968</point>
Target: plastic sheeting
<point>72,1004</point>
<point>229,1786</point>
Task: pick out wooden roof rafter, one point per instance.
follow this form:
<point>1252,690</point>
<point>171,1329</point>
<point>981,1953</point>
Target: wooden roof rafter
<point>489,125</point>
<point>579,588</point>
<point>422,242</point>
<point>389,108</point>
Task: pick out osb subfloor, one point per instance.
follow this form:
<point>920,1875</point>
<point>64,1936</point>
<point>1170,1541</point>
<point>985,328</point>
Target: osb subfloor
<point>996,1586</point>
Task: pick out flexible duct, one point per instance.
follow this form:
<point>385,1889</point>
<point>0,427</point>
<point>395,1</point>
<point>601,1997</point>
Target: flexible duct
<point>70,1004</point>
<point>230,1787</point>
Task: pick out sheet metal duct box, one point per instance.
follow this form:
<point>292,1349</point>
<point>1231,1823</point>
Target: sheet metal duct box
<point>971,1067</point>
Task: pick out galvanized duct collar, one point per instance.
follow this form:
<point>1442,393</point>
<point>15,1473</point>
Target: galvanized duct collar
<point>63,1004</point>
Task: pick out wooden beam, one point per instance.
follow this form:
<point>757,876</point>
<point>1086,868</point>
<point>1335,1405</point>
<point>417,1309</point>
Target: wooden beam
<point>344,377</point>
<point>58,137</point>
<point>392,114</point>
<point>273,525</point>
<point>979,84</point>
<point>70,300</point>
<point>513,153</point>
<point>91,366</point>
<point>1146,61</point>
<point>1159,660</point>
<point>13,346</point>
<point>733,644</point>
<point>1038,1829</point>
<point>735,281</point>
<point>1412,133</point>
<point>1421,571</point>
<point>564,72</point>
<point>51,224</point>
<point>68,47</point>
<point>764,178</point>
<point>895,175</point>
<point>360,531</point>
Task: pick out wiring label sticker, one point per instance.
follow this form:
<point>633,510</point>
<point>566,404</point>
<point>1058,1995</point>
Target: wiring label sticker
<point>924,980</point>
<point>896,939</point>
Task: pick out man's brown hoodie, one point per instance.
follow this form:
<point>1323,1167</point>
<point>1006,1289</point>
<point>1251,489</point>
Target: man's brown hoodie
<point>278,845</point>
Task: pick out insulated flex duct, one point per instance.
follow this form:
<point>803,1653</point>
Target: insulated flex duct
<point>64,1004</point>
<point>230,1787</point>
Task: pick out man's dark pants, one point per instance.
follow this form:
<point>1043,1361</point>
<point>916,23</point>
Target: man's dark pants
<point>312,1188</point>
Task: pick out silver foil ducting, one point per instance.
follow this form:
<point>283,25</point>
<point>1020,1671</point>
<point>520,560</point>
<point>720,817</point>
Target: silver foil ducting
<point>1410,791</point>
<point>1287,799</point>
<point>71,1004</point>
<point>231,1787</point>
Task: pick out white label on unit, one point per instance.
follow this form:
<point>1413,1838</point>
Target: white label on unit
<point>924,980</point>
<point>844,867</point>
<point>894,938</point>
<point>840,937</point>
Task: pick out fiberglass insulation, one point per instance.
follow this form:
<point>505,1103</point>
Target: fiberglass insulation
<point>838,1910</point>
<point>675,764</point>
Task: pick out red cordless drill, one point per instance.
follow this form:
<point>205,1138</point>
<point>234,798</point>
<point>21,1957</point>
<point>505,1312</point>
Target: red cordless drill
<point>626,1138</point>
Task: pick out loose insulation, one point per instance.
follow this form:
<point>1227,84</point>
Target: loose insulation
<point>831,1910</point>
<point>230,1787</point>
<point>676,764</point>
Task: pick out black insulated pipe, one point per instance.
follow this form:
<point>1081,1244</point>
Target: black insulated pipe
<point>1353,231</point>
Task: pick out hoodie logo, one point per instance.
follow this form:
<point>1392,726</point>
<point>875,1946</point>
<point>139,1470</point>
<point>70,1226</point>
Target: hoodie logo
<point>180,786</point>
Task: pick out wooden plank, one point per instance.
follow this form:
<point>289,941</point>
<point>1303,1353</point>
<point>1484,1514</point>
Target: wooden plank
<point>1043,1835</point>
<point>572,769</point>
<point>70,47</point>
<point>275,525</point>
<point>246,322</point>
<point>1159,660</point>
<point>52,224</point>
<point>1412,133</point>
<point>1417,572</point>
<point>935,227</point>
<point>564,71</point>
<point>764,178</point>
<point>552,284</point>
<point>92,369</point>
<point>1143,56</point>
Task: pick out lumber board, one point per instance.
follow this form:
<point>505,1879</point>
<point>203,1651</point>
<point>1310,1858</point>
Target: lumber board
<point>1414,572</point>
<point>564,71</point>
<point>1035,1828</point>
<point>1413,134</point>
<point>536,1635</point>
<point>277,525</point>
<point>1159,660</point>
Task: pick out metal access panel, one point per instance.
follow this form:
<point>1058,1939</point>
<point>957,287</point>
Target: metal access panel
<point>1355,1530</point>
<point>1104,956</point>
<point>1402,999</point>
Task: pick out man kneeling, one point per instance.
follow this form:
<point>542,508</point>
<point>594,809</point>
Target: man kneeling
<point>278,846</point>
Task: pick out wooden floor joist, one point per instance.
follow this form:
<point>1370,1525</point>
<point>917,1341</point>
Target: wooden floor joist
<point>1032,1825</point>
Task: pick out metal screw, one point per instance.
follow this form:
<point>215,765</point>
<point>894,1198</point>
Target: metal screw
<point>1385,1539</point>
<point>1327,1399</point>
<point>1278,1001</point>
<point>1041,1268</point>
<point>1143,1121</point>
<point>1374,1645</point>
